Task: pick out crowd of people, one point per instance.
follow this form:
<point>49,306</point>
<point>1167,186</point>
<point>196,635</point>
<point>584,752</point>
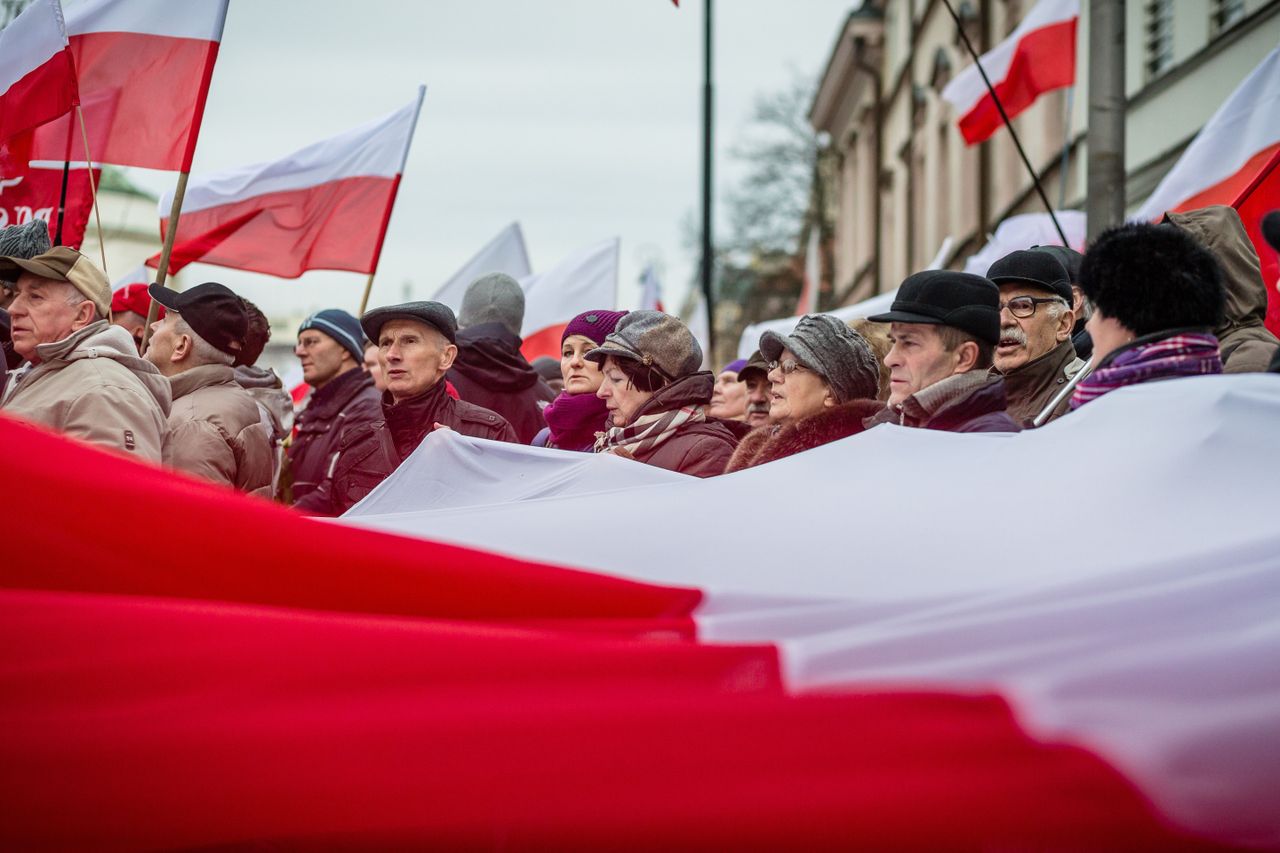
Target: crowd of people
<point>1043,333</point>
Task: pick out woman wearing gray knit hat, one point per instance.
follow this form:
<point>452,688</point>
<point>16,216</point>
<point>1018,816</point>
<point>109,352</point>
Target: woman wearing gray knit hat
<point>824,378</point>
<point>657,397</point>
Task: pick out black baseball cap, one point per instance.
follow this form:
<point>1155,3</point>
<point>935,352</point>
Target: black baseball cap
<point>961,300</point>
<point>1035,268</point>
<point>1068,257</point>
<point>437,315</point>
<point>212,310</point>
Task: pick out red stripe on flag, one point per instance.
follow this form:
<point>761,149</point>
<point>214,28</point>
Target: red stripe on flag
<point>1229,190</point>
<point>159,86</point>
<point>332,226</point>
<point>41,95</point>
<point>544,342</point>
<point>1045,60</point>
<point>1260,197</point>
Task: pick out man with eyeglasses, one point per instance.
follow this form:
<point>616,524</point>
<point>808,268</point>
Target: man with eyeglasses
<point>944,327</point>
<point>1035,354</point>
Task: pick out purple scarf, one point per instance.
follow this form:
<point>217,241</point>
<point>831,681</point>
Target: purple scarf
<point>1182,354</point>
<point>574,420</point>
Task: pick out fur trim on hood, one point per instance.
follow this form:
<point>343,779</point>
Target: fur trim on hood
<point>770,442</point>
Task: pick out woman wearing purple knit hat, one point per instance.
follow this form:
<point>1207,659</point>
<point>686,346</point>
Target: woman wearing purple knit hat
<point>577,414</point>
<point>729,396</point>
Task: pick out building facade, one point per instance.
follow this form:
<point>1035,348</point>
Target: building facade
<point>901,179</point>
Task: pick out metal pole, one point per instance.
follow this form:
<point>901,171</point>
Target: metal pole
<point>1013,134</point>
<point>708,248</point>
<point>1105,206</point>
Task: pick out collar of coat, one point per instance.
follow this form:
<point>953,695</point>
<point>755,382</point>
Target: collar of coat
<point>200,377</point>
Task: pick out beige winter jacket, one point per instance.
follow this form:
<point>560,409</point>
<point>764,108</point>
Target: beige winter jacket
<point>215,431</point>
<point>92,385</point>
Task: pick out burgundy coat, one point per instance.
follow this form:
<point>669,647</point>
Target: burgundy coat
<point>701,449</point>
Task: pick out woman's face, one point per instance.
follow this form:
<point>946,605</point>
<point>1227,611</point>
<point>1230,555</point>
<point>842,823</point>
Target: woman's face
<point>1107,333</point>
<point>621,397</point>
<point>729,397</point>
<point>580,376</point>
<point>797,394</point>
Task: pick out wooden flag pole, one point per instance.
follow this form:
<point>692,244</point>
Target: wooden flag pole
<point>162,273</point>
<point>93,188</point>
<point>364,300</point>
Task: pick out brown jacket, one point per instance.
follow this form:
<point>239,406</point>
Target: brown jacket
<point>216,432</point>
<point>92,386</point>
<point>771,442</point>
<point>1245,343</point>
<point>369,451</point>
<point>1033,386</point>
<point>701,449</point>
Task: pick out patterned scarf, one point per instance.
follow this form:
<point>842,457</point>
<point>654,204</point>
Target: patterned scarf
<point>649,431</point>
<point>1182,354</point>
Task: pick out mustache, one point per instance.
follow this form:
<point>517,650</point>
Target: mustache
<point>757,408</point>
<point>1015,334</point>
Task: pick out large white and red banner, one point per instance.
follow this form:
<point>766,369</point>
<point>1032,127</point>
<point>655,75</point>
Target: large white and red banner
<point>854,675</point>
<point>325,207</point>
<point>505,253</point>
<point>585,280</point>
<point>144,68</point>
<point>1231,161</point>
<point>37,76</point>
<point>1037,57</point>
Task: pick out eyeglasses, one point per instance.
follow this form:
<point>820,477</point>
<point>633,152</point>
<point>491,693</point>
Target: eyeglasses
<point>787,367</point>
<point>1025,306</point>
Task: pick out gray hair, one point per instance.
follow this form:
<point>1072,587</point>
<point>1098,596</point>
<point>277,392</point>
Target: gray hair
<point>202,352</point>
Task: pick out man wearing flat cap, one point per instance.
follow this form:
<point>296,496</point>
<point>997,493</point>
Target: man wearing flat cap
<point>1035,354</point>
<point>215,430</point>
<point>416,347</point>
<point>944,326</point>
<point>83,377</point>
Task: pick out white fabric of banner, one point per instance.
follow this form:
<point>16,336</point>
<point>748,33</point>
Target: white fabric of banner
<point>1115,574</point>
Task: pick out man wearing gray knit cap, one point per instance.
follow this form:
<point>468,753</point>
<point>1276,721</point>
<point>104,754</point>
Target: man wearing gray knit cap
<point>824,380</point>
<point>490,370</point>
<point>22,241</point>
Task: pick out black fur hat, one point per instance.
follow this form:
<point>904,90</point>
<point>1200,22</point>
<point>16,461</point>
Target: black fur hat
<point>1152,278</point>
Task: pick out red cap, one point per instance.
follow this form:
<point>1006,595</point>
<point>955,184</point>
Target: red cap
<point>133,297</point>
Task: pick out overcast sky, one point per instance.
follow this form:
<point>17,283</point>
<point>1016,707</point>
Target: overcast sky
<point>579,118</point>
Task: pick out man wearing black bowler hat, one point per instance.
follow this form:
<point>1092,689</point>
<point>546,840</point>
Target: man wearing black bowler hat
<point>215,431</point>
<point>944,326</point>
<point>417,344</point>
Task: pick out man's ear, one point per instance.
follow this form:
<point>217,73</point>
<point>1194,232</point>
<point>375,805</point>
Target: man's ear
<point>86,313</point>
<point>447,356</point>
<point>182,348</point>
<point>966,357</point>
<point>1066,323</point>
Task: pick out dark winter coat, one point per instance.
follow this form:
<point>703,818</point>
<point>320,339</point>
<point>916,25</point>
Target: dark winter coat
<point>771,442</point>
<point>1033,386</point>
<point>347,401</point>
<point>702,448</point>
<point>491,372</point>
<point>966,402</point>
<point>369,452</point>
<point>1244,342</point>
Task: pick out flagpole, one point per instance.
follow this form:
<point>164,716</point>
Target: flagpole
<point>1017,143</point>
<point>93,188</point>
<point>66,175</point>
<point>162,272</point>
<point>364,300</point>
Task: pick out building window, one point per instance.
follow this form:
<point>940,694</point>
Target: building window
<point>1226,13</point>
<point>1159,37</point>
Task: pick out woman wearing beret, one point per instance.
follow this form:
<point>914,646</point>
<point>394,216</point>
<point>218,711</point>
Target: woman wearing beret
<point>824,382</point>
<point>577,415</point>
<point>1157,295</point>
<point>658,398</point>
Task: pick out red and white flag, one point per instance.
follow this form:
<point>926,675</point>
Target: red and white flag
<point>585,280</point>
<point>37,76</point>
<point>1037,57</point>
<point>846,680</point>
<point>325,207</point>
<point>505,253</point>
<point>144,68</point>
<point>650,290</point>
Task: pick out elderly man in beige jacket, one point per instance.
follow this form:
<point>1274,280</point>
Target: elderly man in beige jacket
<point>215,431</point>
<point>83,377</point>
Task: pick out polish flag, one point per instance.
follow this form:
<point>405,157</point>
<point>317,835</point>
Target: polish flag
<point>1231,161</point>
<point>505,253</point>
<point>451,677</point>
<point>146,64</point>
<point>33,192</point>
<point>1037,57</point>
<point>325,207</point>
<point>650,290</point>
<point>37,75</point>
<point>585,280</point>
